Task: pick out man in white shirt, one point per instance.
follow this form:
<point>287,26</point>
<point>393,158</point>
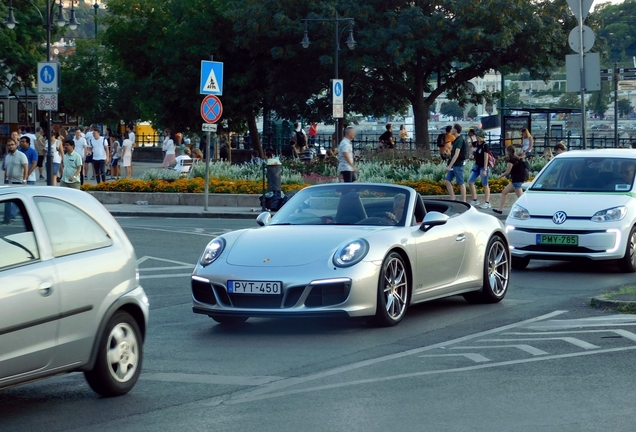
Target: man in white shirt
<point>178,162</point>
<point>346,167</point>
<point>101,154</point>
<point>80,149</point>
<point>131,134</point>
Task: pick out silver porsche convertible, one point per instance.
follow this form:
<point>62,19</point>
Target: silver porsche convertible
<point>353,250</point>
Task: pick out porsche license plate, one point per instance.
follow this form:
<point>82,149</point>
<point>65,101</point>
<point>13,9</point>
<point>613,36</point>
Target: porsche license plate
<point>255,287</point>
<point>557,240</point>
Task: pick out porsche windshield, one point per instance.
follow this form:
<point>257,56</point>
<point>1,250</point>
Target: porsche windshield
<point>346,204</point>
<point>591,174</point>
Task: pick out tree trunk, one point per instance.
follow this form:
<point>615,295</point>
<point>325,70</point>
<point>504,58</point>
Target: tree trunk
<point>421,113</point>
<point>256,138</point>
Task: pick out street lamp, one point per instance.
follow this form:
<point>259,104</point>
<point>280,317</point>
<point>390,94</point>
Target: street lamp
<point>96,7</point>
<point>60,21</point>
<point>351,44</point>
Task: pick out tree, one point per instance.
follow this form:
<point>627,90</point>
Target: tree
<point>617,32</point>
<point>417,50</point>
<point>569,100</point>
<point>625,107</point>
<point>599,101</point>
<point>452,109</point>
<point>512,97</point>
<point>472,113</point>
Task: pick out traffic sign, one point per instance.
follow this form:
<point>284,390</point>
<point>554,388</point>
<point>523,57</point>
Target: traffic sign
<point>47,102</point>
<point>48,77</point>
<point>607,71</point>
<point>211,109</point>
<point>628,70</point>
<point>607,78</point>
<point>337,92</point>
<point>575,5</point>
<point>592,66</point>
<point>628,78</point>
<point>208,127</point>
<point>588,39</point>
<point>338,111</point>
<point>211,78</point>
<point>626,86</point>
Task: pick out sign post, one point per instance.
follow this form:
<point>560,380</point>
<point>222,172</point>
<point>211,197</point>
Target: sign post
<point>48,88</point>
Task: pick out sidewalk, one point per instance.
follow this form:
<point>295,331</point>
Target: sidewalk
<point>182,211</point>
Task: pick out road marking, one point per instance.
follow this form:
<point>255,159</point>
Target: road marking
<point>210,379</point>
<point>161,276</point>
<point>146,258</point>
<point>527,348</point>
<point>602,321</point>
<point>285,383</point>
<point>180,231</point>
<point>574,341</point>
<point>477,358</point>
<point>163,268</point>
<point>624,333</point>
<point>425,373</point>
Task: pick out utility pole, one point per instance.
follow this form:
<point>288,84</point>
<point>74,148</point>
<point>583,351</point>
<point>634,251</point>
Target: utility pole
<point>616,78</point>
<point>582,68</point>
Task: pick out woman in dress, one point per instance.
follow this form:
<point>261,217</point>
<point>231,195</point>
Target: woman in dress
<point>169,148</point>
<point>527,142</point>
<point>58,151</point>
<point>126,156</point>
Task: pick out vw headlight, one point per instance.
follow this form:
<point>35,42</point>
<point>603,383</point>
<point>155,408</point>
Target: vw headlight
<point>212,251</point>
<point>519,212</point>
<point>351,253</point>
<point>610,215</point>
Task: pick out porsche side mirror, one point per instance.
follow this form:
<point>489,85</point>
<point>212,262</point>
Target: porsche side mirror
<point>433,219</point>
<point>263,218</point>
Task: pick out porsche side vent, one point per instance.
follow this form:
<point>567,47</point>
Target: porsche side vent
<point>202,292</point>
<point>328,294</point>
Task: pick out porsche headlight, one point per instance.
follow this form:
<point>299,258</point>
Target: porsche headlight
<point>610,215</point>
<point>351,253</point>
<point>519,212</point>
<point>212,251</point>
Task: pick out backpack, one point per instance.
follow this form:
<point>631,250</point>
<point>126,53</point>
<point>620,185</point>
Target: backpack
<point>491,160</point>
<point>441,140</point>
<point>301,141</point>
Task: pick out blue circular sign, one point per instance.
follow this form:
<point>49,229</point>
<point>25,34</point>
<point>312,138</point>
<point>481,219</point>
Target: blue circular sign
<point>47,74</point>
<point>337,89</point>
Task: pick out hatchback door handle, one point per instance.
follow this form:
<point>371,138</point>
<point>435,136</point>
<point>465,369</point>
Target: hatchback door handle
<point>46,288</point>
<point>461,238</point>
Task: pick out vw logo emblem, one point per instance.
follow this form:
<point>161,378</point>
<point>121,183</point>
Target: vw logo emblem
<point>559,217</point>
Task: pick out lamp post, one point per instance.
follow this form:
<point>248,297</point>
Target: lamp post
<point>96,7</point>
<point>60,21</point>
<point>351,44</point>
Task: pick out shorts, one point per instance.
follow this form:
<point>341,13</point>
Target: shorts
<point>114,162</point>
<point>517,185</point>
<point>477,173</point>
<point>89,159</point>
<point>457,172</point>
<point>56,168</point>
<point>348,176</point>
<point>41,159</point>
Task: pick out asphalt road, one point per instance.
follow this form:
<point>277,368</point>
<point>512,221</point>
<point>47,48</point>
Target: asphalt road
<point>540,360</point>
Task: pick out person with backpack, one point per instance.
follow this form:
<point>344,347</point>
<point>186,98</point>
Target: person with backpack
<point>298,141</point>
<point>481,169</point>
<point>455,167</point>
<point>518,172</point>
<point>445,143</point>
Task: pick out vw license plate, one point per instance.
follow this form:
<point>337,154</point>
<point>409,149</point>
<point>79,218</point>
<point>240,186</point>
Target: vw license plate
<point>255,287</point>
<point>557,240</point>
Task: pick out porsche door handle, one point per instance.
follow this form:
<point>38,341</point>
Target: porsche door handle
<point>461,238</point>
<point>46,288</point>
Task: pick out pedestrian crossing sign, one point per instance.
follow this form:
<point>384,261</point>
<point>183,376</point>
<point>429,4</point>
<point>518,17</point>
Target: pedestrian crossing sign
<point>211,78</point>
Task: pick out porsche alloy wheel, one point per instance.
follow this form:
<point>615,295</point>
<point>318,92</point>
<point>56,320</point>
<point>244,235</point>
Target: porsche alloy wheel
<point>496,274</point>
<point>393,291</point>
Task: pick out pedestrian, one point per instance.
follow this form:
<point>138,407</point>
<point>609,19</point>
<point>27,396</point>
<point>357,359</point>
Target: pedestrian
<point>481,170</point>
<point>71,166</point>
<point>179,145</point>
<point>346,166</point>
<point>115,155</point>
<point>197,155</point>
<point>130,133</point>
<point>386,139</point>
<point>516,169</point>
<point>101,155</point>
<point>80,149</point>
<point>126,156</point>
<point>63,134</point>
<point>88,155</point>
<point>527,143</point>
<point>560,148</point>
<point>168,148</point>
<point>40,147</point>
<point>313,133</point>
<point>16,165</point>
<point>449,138</point>
<point>404,136</point>
<point>298,140</point>
<point>32,158</point>
<point>32,137</point>
<point>178,162</point>
<point>57,150</point>
<point>547,154</point>
<point>472,141</point>
<point>455,166</point>
<point>256,158</point>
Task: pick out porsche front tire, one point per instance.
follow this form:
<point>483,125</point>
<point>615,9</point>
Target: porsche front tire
<point>393,291</point>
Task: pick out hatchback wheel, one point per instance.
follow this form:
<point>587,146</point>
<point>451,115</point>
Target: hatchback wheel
<point>496,274</point>
<point>393,291</point>
<point>627,264</point>
<point>119,358</point>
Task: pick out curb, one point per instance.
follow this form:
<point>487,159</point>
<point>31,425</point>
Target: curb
<point>186,215</point>
<point>603,303</point>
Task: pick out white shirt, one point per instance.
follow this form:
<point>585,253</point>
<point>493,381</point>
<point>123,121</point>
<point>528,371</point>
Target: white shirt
<point>127,144</point>
<point>344,147</point>
<point>179,161</point>
<point>80,146</point>
<point>169,146</point>
<point>99,146</point>
<point>131,137</point>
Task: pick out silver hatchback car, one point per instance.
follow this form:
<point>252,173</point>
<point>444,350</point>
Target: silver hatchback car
<point>70,298</point>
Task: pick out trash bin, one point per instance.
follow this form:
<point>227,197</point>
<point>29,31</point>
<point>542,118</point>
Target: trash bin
<point>274,178</point>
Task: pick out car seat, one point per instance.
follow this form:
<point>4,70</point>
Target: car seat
<point>350,209</point>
